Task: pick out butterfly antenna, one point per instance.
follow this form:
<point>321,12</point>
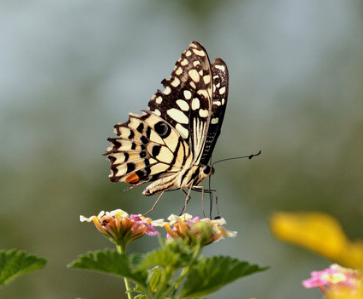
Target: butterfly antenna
<point>241,157</point>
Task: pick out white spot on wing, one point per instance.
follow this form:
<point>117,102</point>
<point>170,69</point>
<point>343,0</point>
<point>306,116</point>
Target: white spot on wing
<point>187,94</point>
<point>182,131</point>
<point>206,79</point>
<point>199,52</point>
<point>182,104</point>
<point>195,103</point>
<point>221,67</point>
<point>184,62</point>
<point>157,112</point>
<point>175,82</point>
<point>178,116</point>
<point>203,113</point>
<point>194,75</point>
<point>179,71</point>
<point>167,90</point>
<point>222,90</point>
<point>214,121</point>
<point>159,100</point>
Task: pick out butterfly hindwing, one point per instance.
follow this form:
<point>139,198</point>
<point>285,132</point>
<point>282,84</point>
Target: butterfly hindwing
<point>220,79</point>
<point>147,148</point>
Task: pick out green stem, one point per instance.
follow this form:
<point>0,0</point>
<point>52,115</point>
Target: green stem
<point>186,269</point>
<point>162,287</point>
<point>121,249</point>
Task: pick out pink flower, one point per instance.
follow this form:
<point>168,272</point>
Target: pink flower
<point>335,281</point>
<point>120,228</point>
<point>196,230</point>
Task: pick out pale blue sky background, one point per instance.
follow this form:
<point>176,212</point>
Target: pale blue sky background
<point>69,70</point>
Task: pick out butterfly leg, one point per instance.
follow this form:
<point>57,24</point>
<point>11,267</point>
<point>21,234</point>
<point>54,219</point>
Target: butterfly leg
<point>210,192</point>
<point>156,202</point>
<point>184,210</point>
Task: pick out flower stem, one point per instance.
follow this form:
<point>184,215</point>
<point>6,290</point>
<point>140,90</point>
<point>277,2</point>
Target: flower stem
<point>121,249</point>
<point>186,269</point>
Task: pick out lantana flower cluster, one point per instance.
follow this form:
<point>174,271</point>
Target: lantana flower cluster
<point>121,228</point>
<point>195,230</point>
<point>337,282</point>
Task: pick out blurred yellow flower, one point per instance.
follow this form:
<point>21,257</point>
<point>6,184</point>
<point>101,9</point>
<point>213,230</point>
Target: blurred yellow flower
<point>320,233</point>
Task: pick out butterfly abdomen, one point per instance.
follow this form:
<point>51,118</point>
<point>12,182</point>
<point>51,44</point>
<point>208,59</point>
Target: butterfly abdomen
<point>188,177</point>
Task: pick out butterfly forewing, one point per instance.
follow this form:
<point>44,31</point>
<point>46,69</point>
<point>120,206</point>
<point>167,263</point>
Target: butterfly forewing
<point>187,92</point>
<point>172,142</point>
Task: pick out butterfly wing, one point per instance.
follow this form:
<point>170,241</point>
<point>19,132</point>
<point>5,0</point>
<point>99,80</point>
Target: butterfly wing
<point>186,101</point>
<point>170,143</point>
<point>220,80</point>
<point>147,149</point>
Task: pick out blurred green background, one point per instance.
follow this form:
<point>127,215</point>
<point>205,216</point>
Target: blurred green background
<point>70,70</point>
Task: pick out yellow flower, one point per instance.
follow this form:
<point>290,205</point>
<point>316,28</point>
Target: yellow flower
<point>319,233</point>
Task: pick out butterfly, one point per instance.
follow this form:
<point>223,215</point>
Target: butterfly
<point>170,144</point>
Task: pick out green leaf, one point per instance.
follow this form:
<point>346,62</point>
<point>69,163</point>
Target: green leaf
<point>136,259</point>
<point>110,262</point>
<point>160,257</point>
<point>173,255</point>
<point>210,274</point>
<point>14,263</point>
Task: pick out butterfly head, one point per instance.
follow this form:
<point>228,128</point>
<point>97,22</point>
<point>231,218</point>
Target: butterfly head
<point>208,170</point>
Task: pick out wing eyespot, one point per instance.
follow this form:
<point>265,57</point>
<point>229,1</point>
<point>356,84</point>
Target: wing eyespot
<point>162,129</point>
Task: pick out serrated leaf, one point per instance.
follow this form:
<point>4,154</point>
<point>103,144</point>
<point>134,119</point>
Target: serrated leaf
<point>136,259</point>
<point>159,257</point>
<point>165,257</point>
<point>110,262</point>
<point>211,274</point>
<point>14,263</point>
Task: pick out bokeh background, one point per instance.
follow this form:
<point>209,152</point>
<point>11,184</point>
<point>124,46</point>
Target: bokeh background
<point>70,70</point>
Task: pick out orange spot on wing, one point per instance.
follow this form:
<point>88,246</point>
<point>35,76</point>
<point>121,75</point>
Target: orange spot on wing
<point>132,178</point>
